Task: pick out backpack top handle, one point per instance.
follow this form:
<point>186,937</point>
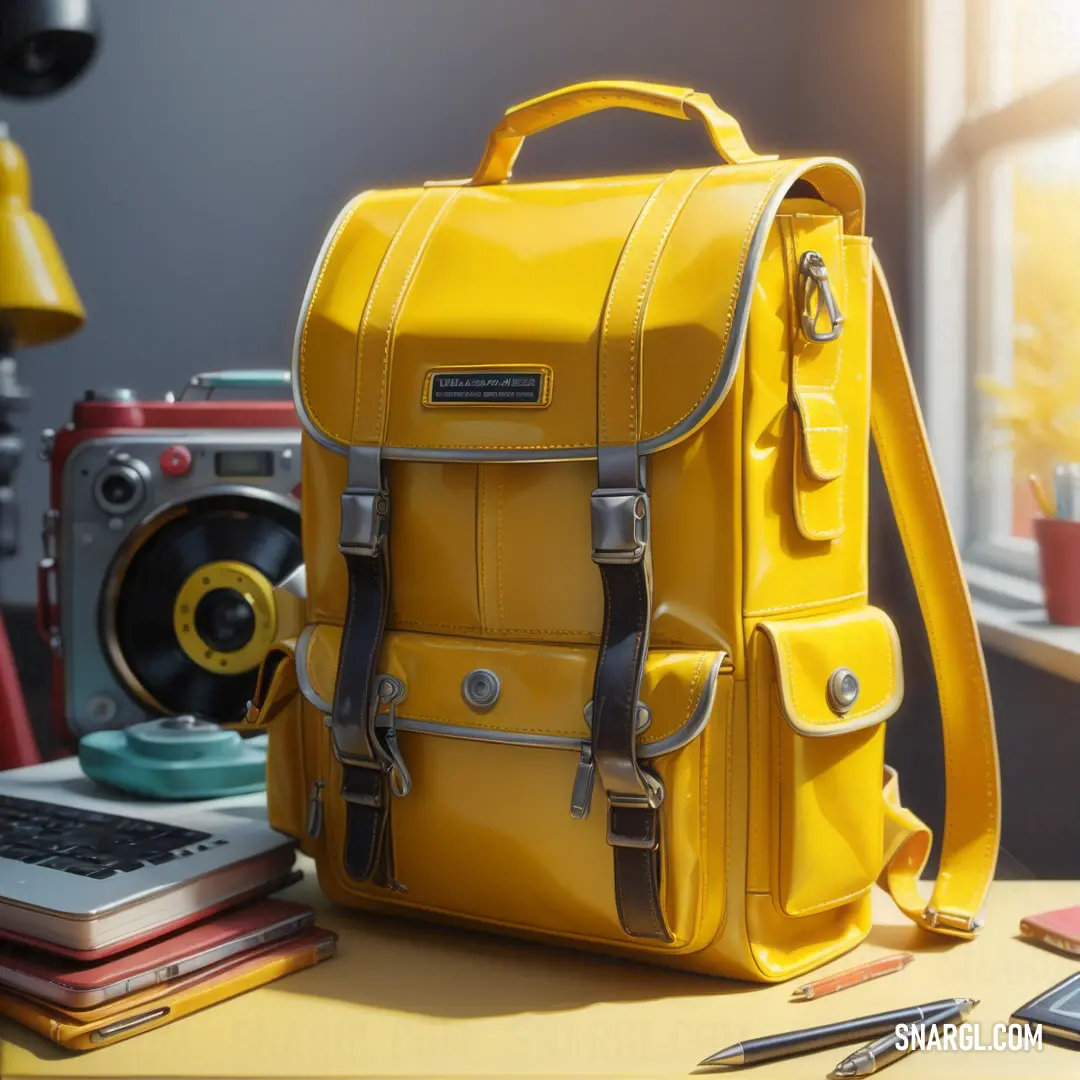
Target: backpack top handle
<point>680,103</point>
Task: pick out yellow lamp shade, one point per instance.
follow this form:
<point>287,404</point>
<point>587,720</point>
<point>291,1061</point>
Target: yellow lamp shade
<point>38,301</point>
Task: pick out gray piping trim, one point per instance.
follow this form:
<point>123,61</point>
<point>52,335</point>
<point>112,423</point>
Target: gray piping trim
<point>728,367</point>
<point>298,400</point>
<point>740,318</point>
<point>303,679</point>
<point>696,724</point>
<point>412,453</point>
<point>675,741</point>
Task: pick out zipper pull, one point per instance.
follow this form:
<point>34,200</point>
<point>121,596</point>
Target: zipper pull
<point>390,692</point>
<point>400,778</point>
<point>581,796</point>
<point>817,295</point>
<point>315,810</point>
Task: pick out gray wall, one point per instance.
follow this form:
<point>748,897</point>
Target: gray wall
<point>192,173</point>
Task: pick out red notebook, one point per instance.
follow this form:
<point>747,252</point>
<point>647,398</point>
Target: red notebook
<point>73,985</point>
<point>1056,929</point>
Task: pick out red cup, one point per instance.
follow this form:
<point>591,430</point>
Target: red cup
<point>1059,568</point>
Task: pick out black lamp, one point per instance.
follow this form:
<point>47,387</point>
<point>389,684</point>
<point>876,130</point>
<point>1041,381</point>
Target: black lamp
<point>44,45</point>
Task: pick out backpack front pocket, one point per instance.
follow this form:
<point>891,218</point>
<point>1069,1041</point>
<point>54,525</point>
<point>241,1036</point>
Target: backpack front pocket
<point>296,746</point>
<point>505,820</point>
<point>822,688</point>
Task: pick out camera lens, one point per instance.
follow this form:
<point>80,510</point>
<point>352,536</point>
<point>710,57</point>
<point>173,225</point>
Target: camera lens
<point>119,488</point>
<point>224,620</point>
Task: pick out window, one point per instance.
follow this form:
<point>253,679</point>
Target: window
<point>1001,261</point>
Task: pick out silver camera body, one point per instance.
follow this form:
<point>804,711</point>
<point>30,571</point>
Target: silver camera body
<point>132,510</point>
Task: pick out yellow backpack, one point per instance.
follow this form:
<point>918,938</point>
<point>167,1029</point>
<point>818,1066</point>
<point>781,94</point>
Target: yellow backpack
<point>587,655</point>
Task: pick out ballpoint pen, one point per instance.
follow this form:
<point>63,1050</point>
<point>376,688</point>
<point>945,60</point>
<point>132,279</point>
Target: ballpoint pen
<point>892,1047</point>
<point>855,976</point>
<point>807,1040</point>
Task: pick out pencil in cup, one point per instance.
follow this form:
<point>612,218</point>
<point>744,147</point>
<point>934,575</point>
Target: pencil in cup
<point>1042,500</point>
<point>856,976</point>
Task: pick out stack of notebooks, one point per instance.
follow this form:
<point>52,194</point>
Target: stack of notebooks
<point>83,1001</point>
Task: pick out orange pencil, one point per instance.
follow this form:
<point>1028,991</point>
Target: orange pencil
<point>1046,507</point>
<point>853,976</point>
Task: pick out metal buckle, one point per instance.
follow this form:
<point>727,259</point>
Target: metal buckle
<point>644,717</point>
<point>363,522</point>
<point>817,296</point>
<point>365,504</point>
<point>652,795</point>
<point>620,525</point>
<point>632,819</point>
<point>362,783</point>
<point>967,924</point>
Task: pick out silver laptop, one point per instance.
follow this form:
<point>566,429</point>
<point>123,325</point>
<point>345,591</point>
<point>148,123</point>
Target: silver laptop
<point>89,871</point>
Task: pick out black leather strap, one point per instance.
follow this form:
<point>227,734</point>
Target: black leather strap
<point>364,782</point>
<point>634,795</point>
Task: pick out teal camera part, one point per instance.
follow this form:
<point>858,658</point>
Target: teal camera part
<point>176,758</point>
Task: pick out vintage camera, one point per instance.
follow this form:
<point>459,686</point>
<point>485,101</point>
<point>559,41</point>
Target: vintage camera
<point>170,524</point>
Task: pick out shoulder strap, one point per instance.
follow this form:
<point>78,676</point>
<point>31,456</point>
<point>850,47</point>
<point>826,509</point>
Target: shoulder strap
<point>973,788</point>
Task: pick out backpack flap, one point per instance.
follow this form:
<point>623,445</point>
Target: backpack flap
<point>465,323</point>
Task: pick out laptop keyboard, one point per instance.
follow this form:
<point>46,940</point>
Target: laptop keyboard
<point>89,844</point>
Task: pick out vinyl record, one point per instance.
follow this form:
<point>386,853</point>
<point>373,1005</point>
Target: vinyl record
<point>189,610</point>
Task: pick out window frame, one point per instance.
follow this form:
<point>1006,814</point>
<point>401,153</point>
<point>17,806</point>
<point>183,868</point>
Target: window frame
<point>964,218</point>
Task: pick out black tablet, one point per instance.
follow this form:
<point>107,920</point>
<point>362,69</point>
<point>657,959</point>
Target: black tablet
<point>1057,1010</point>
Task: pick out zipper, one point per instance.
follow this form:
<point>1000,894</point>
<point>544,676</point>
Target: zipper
<point>585,773</point>
<point>325,755</point>
<point>315,809</point>
<point>389,691</point>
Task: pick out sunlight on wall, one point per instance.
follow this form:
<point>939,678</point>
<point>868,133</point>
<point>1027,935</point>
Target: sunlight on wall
<point>1043,42</point>
<point>1038,42</point>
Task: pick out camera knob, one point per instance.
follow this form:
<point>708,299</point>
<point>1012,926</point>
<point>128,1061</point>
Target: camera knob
<point>176,461</point>
<point>112,395</point>
<point>186,723</point>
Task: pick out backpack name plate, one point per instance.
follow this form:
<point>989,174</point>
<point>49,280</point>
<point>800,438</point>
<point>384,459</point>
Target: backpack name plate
<point>488,386</point>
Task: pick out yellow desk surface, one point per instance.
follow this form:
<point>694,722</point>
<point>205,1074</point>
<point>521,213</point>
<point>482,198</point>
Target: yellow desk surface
<point>409,1000</point>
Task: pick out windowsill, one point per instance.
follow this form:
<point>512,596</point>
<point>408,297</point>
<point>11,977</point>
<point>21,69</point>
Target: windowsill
<point>1012,620</point>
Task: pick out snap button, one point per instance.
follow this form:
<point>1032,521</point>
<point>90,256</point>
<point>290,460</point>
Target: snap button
<point>481,688</point>
<point>842,690</point>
